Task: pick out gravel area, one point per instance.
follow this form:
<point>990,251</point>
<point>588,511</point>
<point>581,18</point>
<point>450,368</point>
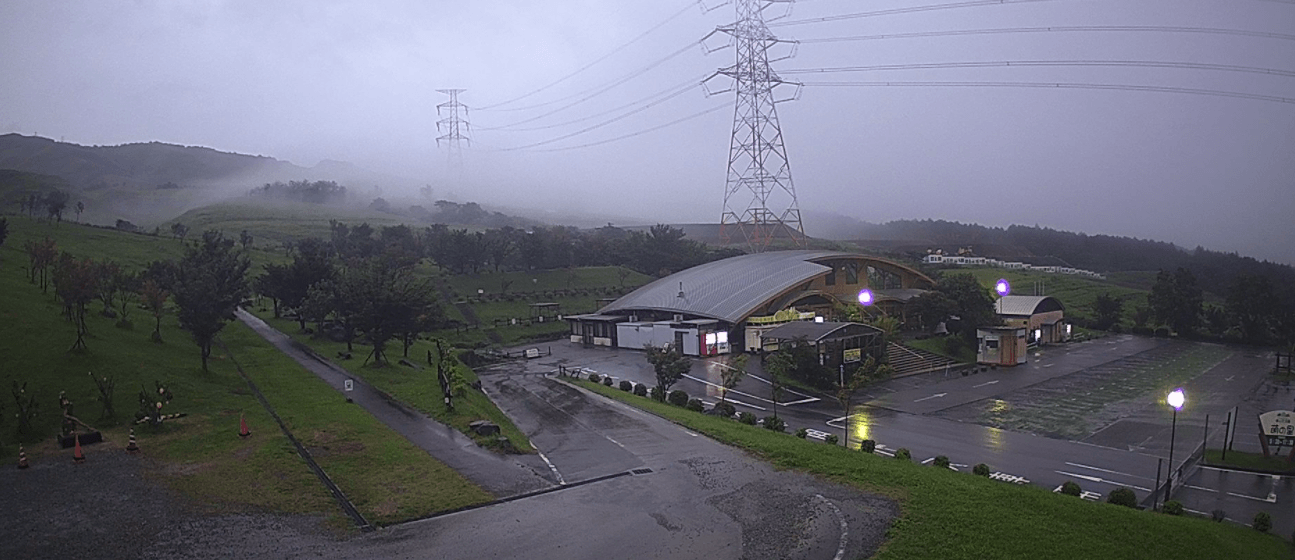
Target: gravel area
<point>109,508</point>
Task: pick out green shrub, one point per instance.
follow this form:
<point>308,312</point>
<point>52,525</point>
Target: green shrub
<point>1069,488</point>
<point>746,418</point>
<point>1123,497</point>
<point>657,394</point>
<point>1263,522</point>
<point>1218,515</point>
<point>980,469</point>
<point>802,433</point>
<point>774,423</point>
<point>903,453</point>
<point>678,398</point>
<point>1172,507</point>
<point>626,385</point>
<point>941,461</point>
<point>695,405</point>
<point>867,446</point>
<point>724,409</point>
<point>831,439</point>
<point>640,390</point>
<point>594,377</point>
<point>608,381</point>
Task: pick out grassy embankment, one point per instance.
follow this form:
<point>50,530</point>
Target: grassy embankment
<point>1077,293</point>
<point>1251,461</point>
<point>382,473</point>
<point>416,387</point>
<point>280,221</point>
<point>505,296</point>
<point>950,515</point>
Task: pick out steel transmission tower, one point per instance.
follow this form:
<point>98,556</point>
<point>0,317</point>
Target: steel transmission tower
<point>455,127</point>
<point>759,197</point>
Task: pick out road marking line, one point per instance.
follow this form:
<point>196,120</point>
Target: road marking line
<point>1102,480</point>
<point>551,467</point>
<point>1194,487</point>
<point>802,401</point>
<point>935,396</point>
<point>928,460</point>
<point>845,529</point>
<point>1101,470</point>
<point>1251,497</point>
<point>766,381</point>
<point>690,433</point>
<point>985,383</point>
<point>609,438</point>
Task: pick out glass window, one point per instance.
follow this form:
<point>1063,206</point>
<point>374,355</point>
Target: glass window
<point>852,273</point>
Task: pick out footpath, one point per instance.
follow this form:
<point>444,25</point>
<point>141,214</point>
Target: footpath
<point>501,475</point>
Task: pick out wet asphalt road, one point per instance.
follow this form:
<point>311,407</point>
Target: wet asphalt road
<point>1126,453</point>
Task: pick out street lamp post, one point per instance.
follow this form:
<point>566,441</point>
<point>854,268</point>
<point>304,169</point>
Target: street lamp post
<point>1175,400</point>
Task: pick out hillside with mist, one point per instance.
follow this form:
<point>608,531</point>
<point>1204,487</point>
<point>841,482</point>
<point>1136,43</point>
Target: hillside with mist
<point>153,182</point>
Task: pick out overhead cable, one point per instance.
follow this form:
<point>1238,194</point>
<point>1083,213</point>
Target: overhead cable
<point>1064,85</point>
<point>897,11</point>
<point>601,124</point>
<point>1008,63</point>
<point>623,46</point>
<point>641,132</point>
<point>691,82</point>
<point>1054,29</point>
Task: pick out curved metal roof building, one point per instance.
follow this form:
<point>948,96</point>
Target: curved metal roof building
<point>733,289</point>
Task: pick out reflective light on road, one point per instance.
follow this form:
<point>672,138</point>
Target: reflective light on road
<point>860,423</point>
<point>994,439</point>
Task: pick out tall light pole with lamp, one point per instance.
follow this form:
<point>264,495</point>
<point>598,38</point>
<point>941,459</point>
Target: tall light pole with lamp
<point>1176,400</point>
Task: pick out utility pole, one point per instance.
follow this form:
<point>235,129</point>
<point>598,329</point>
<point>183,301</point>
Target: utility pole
<point>455,128</point>
<point>759,197</point>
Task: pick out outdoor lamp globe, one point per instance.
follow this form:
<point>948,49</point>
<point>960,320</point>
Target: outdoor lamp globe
<point>1176,399</point>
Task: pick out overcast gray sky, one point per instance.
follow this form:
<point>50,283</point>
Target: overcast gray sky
<point>356,81</point>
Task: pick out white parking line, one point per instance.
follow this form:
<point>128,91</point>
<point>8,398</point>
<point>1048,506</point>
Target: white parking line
<point>1265,500</point>
<point>1099,469</point>
<point>1102,480</point>
<point>551,467</point>
<point>1194,487</point>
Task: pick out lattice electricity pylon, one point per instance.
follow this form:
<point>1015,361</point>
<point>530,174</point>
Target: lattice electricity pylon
<point>757,161</point>
<point>455,127</point>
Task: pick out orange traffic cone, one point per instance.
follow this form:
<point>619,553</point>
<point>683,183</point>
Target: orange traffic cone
<point>242,429</point>
<point>77,456</point>
<point>132,447</point>
<point>22,458</point>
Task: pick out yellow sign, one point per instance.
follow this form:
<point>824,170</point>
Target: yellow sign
<point>852,355</point>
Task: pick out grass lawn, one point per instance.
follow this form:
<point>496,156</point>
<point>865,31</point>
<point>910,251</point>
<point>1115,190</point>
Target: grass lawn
<point>418,388</point>
<point>466,285</point>
<point>1252,461</point>
<point>949,515</point>
<point>200,455</point>
<point>937,345</point>
<point>1077,293</point>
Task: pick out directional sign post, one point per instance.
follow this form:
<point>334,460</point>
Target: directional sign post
<point>1277,429</point>
<point>348,385</point>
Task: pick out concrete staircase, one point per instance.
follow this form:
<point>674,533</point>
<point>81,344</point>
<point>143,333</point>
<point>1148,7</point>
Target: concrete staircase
<point>912,361</point>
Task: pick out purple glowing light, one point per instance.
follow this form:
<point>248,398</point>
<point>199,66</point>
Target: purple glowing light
<point>865,297</point>
<point>1002,287</point>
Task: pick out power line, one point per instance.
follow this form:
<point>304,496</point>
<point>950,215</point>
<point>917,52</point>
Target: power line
<point>690,83</point>
<point>1055,29</point>
<point>1008,63</point>
<point>623,46</point>
<point>1063,85</point>
<point>896,11</point>
<point>597,90</point>
<point>641,132</point>
<point>601,124</point>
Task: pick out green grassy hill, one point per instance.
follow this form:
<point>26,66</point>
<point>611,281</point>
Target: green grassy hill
<point>280,221</point>
<point>201,455</point>
<point>1077,293</point>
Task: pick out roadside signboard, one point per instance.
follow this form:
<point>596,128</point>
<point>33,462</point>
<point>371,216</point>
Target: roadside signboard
<point>851,355</point>
<point>349,385</point>
<point>1279,427</point>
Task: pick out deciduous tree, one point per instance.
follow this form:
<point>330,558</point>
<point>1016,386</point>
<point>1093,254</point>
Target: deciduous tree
<point>155,299</point>
<point>211,286</point>
<point>669,364</point>
<point>1175,300</point>
<point>1106,311</point>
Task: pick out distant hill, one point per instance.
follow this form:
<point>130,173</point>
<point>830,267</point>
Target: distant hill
<point>153,182</point>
